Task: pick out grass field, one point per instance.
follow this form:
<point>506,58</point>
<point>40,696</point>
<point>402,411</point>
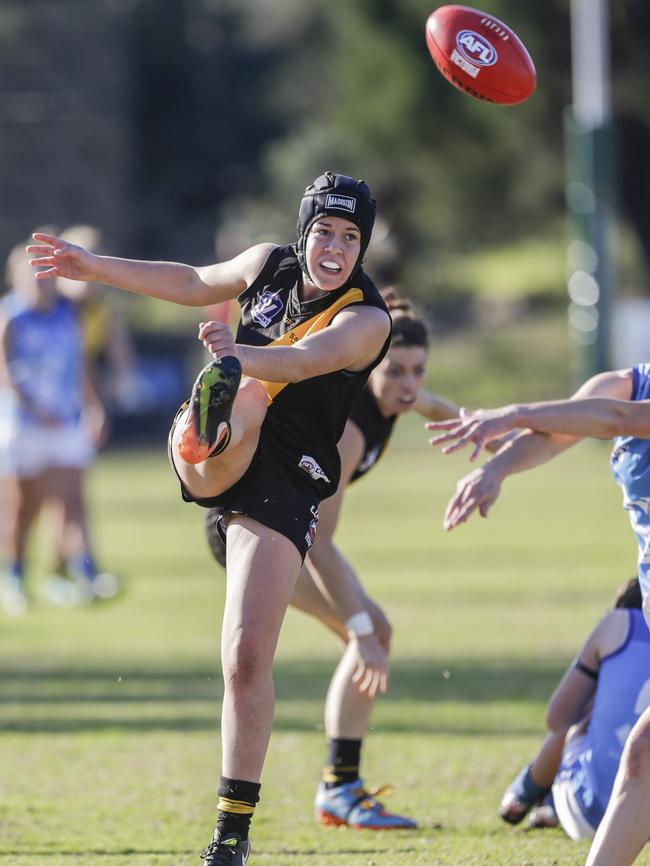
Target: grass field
<point>109,716</point>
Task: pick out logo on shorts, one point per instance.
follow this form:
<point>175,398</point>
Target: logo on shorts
<point>310,536</point>
<point>476,48</point>
<point>312,468</point>
<point>267,308</point>
<point>342,202</point>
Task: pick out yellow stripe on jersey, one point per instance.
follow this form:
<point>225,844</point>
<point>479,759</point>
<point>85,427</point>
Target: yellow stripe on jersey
<point>310,326</point>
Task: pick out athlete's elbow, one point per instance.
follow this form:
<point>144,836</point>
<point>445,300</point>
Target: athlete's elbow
<point>555,719</point>
<point>197,293</point>
<point>627,419</point>
<point>301,367</point>
<point>295,374</point>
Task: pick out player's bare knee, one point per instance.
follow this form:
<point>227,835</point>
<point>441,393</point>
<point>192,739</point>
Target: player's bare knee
<point>636,755</point>
<point>555,721</point>
<point>243,663</point>
<point>252,399</point>
<point>74,509</point>
<point>240,671</point>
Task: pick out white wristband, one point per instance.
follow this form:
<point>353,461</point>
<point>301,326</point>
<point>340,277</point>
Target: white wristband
<point>360,624</point>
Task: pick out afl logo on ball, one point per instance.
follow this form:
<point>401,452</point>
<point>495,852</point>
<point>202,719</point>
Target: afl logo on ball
<point>476,48</point>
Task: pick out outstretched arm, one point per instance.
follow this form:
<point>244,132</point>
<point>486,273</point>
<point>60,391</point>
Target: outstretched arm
<point>479,490</point>
<point>168,281</point>
<point>437,408</point>
<point>351,342</point>
<point>600,408</point>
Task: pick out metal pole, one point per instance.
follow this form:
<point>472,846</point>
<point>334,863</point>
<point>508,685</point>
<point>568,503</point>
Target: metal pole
<point>590,74</point>
<point>589,191</point>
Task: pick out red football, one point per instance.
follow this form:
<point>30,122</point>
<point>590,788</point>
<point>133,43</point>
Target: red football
<point>480,55</point>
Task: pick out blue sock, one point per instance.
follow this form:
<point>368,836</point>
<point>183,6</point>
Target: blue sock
<point>526,789</point>
<point>83,565</point>
<point>16,569</point>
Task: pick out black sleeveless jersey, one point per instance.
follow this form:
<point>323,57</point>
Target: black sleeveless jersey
<point>375,428</point>
<point>305,419</point>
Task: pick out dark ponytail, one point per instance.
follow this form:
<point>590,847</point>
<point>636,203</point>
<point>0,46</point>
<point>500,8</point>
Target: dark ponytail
<point>629,595</point>
<point>409,328</point>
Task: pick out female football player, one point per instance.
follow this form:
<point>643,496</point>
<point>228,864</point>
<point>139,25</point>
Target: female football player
<point>312,328</point>
<point>613,404</point>
<point>329,589</point>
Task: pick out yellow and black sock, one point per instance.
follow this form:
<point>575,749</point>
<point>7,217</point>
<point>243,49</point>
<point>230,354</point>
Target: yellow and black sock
<point>237,799</point>
<point>343,757</point>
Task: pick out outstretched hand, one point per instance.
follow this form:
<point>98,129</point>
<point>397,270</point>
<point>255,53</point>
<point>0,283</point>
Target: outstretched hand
<point>477,491</point>
<point>480,427</point>
<point>61,259</point>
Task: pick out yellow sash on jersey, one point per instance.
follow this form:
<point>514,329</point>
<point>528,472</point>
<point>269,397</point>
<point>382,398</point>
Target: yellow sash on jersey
<point>95,327</point>
<point>304,329</point>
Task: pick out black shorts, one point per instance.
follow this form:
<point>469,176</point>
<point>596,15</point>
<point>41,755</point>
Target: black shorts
<point>274,495</point>
<point>213,529</point>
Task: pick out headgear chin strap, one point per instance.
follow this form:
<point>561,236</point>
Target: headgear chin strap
<point>338,195</point>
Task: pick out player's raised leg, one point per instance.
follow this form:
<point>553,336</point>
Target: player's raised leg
<point>220,427</point>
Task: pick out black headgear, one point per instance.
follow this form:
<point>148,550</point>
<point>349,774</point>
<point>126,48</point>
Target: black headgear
<point>338,195</point>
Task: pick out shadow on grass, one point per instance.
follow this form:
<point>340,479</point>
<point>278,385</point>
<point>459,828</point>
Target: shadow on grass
<point>132,852</point>
<point>376,848</point>
<point>44,699</point>
<point>94,852</point>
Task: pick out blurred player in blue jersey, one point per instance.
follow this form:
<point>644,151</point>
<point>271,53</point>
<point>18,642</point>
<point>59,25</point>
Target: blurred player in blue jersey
<point>615,405</point>
<point>51,419</point>
<point>589,716</point>
<point>110,359</point>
